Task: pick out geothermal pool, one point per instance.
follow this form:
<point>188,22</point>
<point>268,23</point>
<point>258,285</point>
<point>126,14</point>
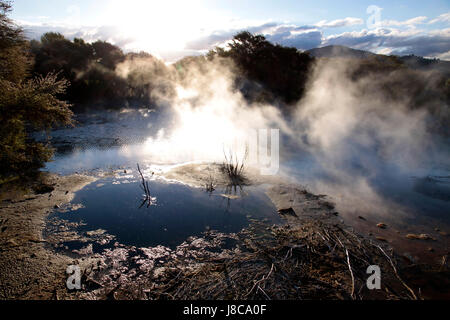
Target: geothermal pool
<point>178,211</point>
<point>414,201</point>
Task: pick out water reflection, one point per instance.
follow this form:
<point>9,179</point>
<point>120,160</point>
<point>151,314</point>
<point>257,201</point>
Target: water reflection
<point>180,211</point>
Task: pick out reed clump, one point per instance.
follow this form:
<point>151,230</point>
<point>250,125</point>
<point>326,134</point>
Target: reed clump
<point>234,167</point>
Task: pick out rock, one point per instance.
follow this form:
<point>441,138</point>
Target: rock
<point>84,251</point>
<point>422,236</point>
<point>229,196</point>
<point>35,240</point>
<point>287,212</point>
<point>56,206</point>
<point>382,225</point>
<point>93,233</point>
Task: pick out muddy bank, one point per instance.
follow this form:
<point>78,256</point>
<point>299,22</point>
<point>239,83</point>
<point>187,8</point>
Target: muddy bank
<point>28,269</point>
<point>202,174</point>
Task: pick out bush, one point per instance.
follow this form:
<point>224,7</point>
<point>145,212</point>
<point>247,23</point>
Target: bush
<point>283,71</point>
<point>26,104</point>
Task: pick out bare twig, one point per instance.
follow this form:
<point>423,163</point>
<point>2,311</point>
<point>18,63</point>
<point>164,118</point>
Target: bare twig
<point>257,283</point>
<point>145,187</point>
<point>351,273</point>
<point>396,273</point>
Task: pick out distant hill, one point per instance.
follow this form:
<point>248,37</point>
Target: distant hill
<point>412,61</point>
<point>340,52</point>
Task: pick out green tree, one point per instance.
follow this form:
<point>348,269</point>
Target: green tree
<point>26,104</point>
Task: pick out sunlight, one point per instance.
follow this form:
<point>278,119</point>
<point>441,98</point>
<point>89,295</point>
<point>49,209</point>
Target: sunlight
<point>201,134</point>
<point>160,25</point>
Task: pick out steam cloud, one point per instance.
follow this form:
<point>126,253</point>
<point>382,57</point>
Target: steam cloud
<point>345,139</point>
<point>363,141</point>
<point>209,116</point>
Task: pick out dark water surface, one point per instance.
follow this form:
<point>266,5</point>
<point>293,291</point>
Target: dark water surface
<point>179,212</point>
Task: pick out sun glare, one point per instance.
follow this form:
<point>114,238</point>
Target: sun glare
<point>159,26</point>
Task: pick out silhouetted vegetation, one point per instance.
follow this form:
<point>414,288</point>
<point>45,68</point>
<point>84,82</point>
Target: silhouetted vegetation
<point>94,71</point>
<point>26,104</point>
<point>88,67</point>
<point>282,71</point>
<point>400,83</point>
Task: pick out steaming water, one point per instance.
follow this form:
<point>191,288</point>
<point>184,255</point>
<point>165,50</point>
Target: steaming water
<point>409,202</point>
<point>179,211</point>
<point>111,144</point>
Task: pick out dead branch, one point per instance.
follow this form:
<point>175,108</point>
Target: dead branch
<point>396,273</point>
<point>257,283</point>
<point>145,187</point>
<point>351,273</point>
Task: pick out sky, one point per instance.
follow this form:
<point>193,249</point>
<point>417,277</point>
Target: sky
<point>172,29</point>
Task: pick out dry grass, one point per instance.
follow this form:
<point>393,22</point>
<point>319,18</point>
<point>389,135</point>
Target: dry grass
<point>315,261</point>
<point>210,185</point>
<point>234,167</point>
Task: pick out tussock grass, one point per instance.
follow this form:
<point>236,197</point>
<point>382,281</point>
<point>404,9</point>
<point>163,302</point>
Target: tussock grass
<point>210,185</point>
<point>234,167</point>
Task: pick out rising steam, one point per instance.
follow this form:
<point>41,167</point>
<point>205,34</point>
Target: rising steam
<point>355,137</point>
<point>209,116</point>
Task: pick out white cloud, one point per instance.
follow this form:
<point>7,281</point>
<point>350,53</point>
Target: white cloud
<point>442,18</point>
<point>407,23</point>
<point>444,56</point>
<point>302,37</point>
<point>88,33</point>
<point>340,23</point>
<point>401,42</point>
<point>396,37</point>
